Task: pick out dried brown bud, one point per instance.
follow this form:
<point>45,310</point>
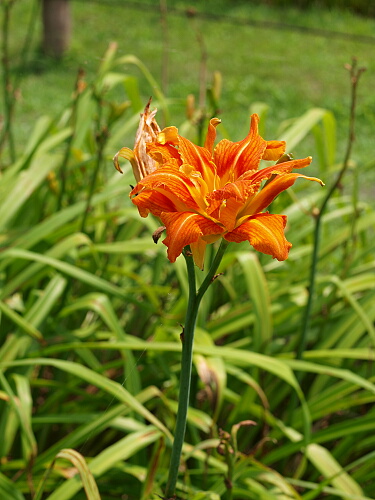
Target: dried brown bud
<point>156,234</point>
<point>148,131</point>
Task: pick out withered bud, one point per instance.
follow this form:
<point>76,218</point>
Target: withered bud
<point>156,234</point>
<point>148,130</point>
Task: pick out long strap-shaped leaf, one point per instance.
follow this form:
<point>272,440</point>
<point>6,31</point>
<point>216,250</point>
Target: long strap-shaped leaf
<point>123,449</point>
<point>111,387</point>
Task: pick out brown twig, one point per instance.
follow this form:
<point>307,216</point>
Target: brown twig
<point>351,243</point>
<point>355,74</point>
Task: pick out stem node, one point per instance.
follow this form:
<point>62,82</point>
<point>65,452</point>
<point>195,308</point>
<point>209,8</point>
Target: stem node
<point>216,276</point>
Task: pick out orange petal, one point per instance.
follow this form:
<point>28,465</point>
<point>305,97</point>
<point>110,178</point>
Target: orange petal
<point>198,249</point>
<point>211,134</point>
<point>274,150</point>
<point>239,157</point>
<point>265,232</point>
<point>188,152</point>
<point>239,190</point>
<point>281,168</point>
<point>168,135</point>
<point>171,182</point>
<point>198,157</point>
<point>185,228</point>
<point>151,201</point>
<point>269,192</point>
<point>226,213</point>
<point>162,153</point>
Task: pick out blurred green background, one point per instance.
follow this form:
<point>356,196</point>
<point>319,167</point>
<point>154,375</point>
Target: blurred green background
<point>292,59</point>
<point>90,308</point>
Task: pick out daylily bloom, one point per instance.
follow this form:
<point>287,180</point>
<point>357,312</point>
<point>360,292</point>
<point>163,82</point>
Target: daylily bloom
<point>205,193</point>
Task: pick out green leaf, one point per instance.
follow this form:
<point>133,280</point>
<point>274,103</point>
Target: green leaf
<point>78,461</point>
<point>302,126</point>
<point>111,387</point>
<point>25,402</point>
<point>332,470</point>
<point>22,410</point>
<point>91,428</point>
<point>103,307</point>
<point>135,246</point>
<point>59,250</point>
<point>46,301</point>
<point>133,60</point>
<point>259,295</point>
<point>354,304</point>
<point>57,220</point>
<point>8,489</point>
<point>72,271</point>
<point>206,495</point>
<point>18,320</point>
<point>27,182</point>
<point>348,375</point>
<point>277,367</point>
<point>107,459</point>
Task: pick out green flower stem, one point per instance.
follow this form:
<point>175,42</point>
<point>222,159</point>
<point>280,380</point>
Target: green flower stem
<point>187,338</point>
<point>211,273</point>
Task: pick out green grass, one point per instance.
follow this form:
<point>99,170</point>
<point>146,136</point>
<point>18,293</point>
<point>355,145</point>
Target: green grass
<point>290,71</point>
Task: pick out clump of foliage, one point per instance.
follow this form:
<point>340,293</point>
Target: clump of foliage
<point>90,316</point>
<point>360,6</point>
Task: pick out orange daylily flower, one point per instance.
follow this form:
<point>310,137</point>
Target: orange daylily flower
<point>205,193</point>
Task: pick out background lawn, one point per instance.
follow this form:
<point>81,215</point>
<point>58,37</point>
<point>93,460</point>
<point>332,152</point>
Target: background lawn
<point>290,70</point>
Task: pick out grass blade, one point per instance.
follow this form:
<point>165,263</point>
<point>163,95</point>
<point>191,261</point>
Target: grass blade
<point>111,387</point>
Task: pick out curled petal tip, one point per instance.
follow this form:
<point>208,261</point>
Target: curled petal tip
<point>129,155</point>
<point>168,135</point>
<point>215,121</point>
<point>314,179</point>
<point>116,163</point>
